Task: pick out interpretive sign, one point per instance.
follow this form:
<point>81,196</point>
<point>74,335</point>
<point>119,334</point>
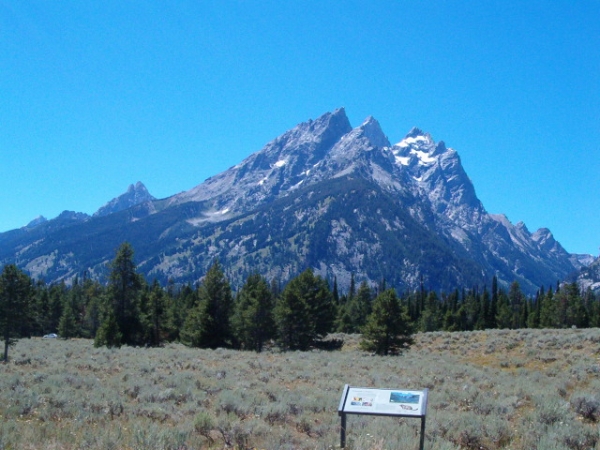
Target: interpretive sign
<point>383,402</point>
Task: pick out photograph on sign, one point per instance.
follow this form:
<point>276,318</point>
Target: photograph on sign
<point>384,401</point>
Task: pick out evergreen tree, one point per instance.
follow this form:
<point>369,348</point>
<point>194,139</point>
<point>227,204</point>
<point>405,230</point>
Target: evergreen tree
<point>494,304</point>
<point>293,319</point>
<point>335,293</point>
<point>15,296</point>
<point>208,324</point>
<point>123,299</point>
<point>451,318</point>
<point>431,319</point>
<point>533,319</point>
<point>504,316</point>
<point>576,314</point>
<point>362,306</point>
<point>549,311</point>
<point>108,334</point>
<point>40,308</point>
<point>343,323</point>
<point>178,305</point>
<point>388,329</point>
<point>153,307</point>
<point>592,306</point>
<point>352,290</point>
<point>516,302</point>
<point>252,321</point>
<point>305,312</point>
<point>356,310</point>
<point>94,294</point>
<point>67,325</point>
<point>471,310</point>
<point>57,297</point>
<point>486,309</point>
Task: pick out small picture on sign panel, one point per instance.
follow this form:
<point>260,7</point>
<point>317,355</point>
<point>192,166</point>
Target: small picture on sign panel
<point>404,397</point>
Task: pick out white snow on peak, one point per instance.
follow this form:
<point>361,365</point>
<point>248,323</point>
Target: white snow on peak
<point>424,157</point>
<point>280,163</point>
<point>263,181</point>
<point>406,142</point>
<point>404,160</point>
<point>224,211</point>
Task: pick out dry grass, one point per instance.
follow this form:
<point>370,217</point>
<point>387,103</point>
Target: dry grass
<point>520,389</point>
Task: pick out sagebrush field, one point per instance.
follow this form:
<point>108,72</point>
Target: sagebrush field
<point>520,389</point>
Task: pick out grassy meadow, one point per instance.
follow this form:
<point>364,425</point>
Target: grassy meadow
<point>521,389</point>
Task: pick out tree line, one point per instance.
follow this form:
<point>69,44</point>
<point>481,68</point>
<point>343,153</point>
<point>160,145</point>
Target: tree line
<point>130,311</point>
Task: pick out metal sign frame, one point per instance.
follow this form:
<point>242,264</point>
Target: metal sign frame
<point>383,402</point>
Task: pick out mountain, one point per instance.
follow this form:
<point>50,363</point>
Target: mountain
<point>134,196</point>
<point>589,276</point>
<point>325,195</point>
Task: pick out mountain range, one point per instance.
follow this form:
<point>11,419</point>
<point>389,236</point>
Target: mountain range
<point>324,195</point>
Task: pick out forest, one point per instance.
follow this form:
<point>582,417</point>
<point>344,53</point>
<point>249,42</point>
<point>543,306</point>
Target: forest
<point>129,310</point>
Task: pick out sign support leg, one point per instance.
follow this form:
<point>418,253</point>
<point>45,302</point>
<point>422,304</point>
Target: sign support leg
<point>422,443</point>
<point>343,432</point>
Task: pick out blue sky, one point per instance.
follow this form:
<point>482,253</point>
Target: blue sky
<point>100,95</point>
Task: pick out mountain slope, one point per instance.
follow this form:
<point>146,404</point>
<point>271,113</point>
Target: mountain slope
<point>324,195</point>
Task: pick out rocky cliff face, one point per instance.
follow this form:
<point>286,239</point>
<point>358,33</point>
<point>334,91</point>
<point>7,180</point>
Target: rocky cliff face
<point>339,199</point>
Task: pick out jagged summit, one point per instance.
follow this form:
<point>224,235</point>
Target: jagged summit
<point>372,130</point>
<point>414,132</point>
<point>134,195</point>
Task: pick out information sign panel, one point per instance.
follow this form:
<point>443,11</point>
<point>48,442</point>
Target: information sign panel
<point>383,402</point>
<point>389,402</point>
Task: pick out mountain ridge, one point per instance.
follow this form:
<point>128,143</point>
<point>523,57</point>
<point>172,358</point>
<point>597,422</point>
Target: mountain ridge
<point>424,196</point>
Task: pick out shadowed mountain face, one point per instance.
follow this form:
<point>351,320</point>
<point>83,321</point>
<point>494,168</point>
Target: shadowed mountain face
<point>341,200</point>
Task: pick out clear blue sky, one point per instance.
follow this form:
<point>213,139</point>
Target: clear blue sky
<point>95,96</point>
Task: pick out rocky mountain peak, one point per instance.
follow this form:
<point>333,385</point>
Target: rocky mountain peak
<point>372,131</point>
<point>414,132</point>
<point>134,195</point>
<point>37,221</point>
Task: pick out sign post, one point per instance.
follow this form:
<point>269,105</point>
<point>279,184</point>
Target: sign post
<point>383,402</point>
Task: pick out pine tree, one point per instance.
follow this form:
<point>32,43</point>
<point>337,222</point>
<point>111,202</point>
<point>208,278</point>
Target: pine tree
<point>388,329</point>
<point>430,317</point>
<point>356,310</point>
<point>208,323</point>
<point>486,307</point>
<point>305,312</point>
<point>67,325</point>
<point>549,311</point>
<point>123,298</point>
<point>576,315</point>
<point>252,321</point>
<point>15,296</point>
<point>293,319</point>
<point>40,308</point>
<point>504,316</point>
<point>94,294</point>
<point>494,304</point>
<point>516,301</point>
<point>593,307</point>
<point>153,315</point>
<point>108,334</point>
